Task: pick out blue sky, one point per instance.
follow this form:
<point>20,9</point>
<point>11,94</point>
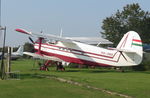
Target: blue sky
<point>75,17</point>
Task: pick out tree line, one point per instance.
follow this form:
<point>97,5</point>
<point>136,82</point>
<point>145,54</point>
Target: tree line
<point>28,47</point>
<point>131,18</point>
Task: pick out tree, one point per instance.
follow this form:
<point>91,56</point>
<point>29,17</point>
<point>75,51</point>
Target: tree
<point>131,18</point>
<point>28,47</point>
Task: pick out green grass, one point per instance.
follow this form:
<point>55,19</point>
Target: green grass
<point>44,88</point>
<point>135,84</point>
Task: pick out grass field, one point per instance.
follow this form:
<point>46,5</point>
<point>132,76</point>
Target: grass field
<point>134,84</point>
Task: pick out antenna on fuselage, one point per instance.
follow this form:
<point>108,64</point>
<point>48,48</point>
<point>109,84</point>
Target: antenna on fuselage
<point>61,33</point>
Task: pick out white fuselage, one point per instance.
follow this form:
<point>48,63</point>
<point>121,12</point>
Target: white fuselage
<point>81,53</point>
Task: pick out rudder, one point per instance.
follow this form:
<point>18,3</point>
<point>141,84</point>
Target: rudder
<point>131,41</point>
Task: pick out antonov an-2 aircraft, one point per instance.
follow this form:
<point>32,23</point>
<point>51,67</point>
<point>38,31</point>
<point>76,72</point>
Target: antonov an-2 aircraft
<point>129,51</point>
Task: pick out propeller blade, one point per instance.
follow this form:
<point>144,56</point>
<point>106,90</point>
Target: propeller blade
<point>31,40</point>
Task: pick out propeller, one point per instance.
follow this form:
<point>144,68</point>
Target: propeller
<point>31,40</point>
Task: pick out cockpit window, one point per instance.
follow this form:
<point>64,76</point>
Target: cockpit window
<point>43,41</point>
<point>51,42</point>
<point>47,41</point>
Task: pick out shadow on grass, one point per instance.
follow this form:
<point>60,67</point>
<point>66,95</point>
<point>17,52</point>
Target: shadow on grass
<point>35,76</point>
<point>95,71</point>
<point>145,72</point>
<point>73,70</point>
<point>38,75</point>
<point>29,76</point>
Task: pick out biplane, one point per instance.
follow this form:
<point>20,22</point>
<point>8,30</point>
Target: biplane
<point>129,51</point>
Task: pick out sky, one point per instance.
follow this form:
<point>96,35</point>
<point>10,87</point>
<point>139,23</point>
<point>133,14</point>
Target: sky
<point>75,17</point>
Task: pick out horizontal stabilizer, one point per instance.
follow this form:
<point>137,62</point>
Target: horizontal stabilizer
<point>90,40</point>
<point>123,50</point>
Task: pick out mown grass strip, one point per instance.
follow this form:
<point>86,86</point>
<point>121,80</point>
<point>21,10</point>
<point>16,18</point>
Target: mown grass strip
<point>83,85</point>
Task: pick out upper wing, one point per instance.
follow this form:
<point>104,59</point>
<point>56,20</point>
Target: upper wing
<point>46,36</point>
<point>87,40</point>
<point>90,40</point>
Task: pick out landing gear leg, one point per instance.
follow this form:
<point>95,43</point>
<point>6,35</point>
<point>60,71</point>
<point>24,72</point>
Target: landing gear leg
<point>46,65</point>
<point>60,66</point>
<point>120,69</point>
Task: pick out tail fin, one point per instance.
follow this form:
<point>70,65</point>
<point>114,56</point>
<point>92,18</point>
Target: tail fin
<point>20,50</point>
<point>131,42</point>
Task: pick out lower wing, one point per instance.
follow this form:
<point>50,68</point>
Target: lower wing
<point>43,56</point>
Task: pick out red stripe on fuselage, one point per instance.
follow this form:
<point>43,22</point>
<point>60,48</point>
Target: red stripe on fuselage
<point>124,42</point>
<point>83,55</point>
<point>75,60</point>
<point>76,50</point>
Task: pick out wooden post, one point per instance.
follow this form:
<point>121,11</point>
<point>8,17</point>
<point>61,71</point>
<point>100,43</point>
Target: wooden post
<point>3,73</point>
<point>9,60</point>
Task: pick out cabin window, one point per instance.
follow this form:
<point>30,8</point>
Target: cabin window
<point>64,49</point>
<point>77,52</point>
<point>51,41</point>
<point>43,41</point>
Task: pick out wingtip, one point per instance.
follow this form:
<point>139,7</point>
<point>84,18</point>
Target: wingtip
<point>22,31</point>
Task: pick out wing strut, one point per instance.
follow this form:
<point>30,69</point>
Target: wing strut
<point>40,42</point>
